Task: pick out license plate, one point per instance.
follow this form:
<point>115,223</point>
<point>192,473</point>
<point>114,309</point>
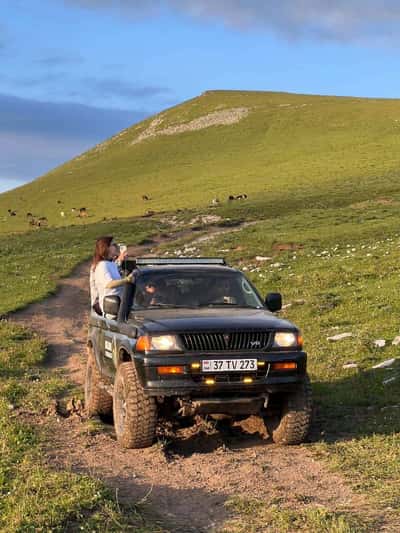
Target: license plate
<point>229,365</point>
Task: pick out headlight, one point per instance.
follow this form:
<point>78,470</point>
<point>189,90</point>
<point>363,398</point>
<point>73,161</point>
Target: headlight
<point>165,342</point>
<point>284,339</point>
<point>159,343</point>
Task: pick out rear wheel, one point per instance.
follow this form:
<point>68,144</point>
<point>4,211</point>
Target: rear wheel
<point>293,420</point>
<point>97,399</point>
<point>135,414</point>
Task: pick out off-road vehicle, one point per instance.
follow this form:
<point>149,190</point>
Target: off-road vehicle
<point>193,336</point>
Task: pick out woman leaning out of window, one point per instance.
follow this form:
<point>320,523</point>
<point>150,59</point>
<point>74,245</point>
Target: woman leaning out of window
<point>105,279</point>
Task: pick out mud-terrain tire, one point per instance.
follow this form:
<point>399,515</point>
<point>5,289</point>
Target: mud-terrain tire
<point>135,414</point>
<point>293,423</point>
<point>97,399</point>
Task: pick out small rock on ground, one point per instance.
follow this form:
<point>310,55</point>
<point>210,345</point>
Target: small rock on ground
<point>385,364</point>
<point>339,337</point>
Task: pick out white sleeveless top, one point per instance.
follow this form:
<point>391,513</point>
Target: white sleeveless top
<point>104,272</point>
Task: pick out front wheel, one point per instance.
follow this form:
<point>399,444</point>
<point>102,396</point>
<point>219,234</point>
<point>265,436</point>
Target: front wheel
<point>293,421</point>
<point>135,414</point>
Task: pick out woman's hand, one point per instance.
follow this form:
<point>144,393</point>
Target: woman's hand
<point>129,278</point>
<point>122,256</point>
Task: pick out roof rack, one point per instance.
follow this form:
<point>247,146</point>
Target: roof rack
<point>180,261</point>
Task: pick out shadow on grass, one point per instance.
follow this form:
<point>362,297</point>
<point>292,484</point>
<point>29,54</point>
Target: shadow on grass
<point>363,404</point>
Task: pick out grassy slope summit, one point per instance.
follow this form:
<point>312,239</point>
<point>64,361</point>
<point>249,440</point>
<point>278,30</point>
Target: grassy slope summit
<point>288,148</point>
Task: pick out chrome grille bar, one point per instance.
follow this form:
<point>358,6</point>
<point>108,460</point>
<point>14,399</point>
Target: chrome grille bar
<point>221,341</point>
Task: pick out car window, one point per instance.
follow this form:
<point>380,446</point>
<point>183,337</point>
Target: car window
<point>194,289</point>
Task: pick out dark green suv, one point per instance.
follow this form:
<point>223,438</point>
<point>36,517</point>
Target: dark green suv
<point>193,336</point>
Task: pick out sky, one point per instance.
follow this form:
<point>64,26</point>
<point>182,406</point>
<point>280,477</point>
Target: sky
<point>75,72</point>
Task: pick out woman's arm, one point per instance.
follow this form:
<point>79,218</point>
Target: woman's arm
<point>119,282</point>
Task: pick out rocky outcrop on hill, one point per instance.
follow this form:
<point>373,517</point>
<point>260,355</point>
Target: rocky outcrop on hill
<point>223,117</point>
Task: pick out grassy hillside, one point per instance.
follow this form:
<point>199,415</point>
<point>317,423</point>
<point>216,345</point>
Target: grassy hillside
<point>322,179</point>
<point>283,149</point>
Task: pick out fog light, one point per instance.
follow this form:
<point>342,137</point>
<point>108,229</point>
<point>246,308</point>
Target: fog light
<point>261,363</point>
<point>195,366</point>
<point>247,380</point>
<point>284,366</point>
<point>209,381</point>
<point>170,370</point>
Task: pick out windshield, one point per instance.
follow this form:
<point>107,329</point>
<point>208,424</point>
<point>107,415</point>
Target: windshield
<point>194,289</point>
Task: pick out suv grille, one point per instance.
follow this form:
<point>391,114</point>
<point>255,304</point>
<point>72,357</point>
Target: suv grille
<point>245,340</point>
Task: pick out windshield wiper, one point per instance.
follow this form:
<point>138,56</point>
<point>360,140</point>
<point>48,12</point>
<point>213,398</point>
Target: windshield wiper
<point>169,306</point>
<point>226,304</point>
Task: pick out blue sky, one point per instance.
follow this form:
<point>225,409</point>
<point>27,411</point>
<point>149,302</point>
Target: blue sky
<point>74,72</point>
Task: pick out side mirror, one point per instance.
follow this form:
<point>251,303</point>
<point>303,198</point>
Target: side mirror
<point>111,305</point>
<point>273,301</point>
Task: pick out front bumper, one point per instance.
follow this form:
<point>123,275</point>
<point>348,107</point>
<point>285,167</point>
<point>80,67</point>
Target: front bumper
<point>192,382</point>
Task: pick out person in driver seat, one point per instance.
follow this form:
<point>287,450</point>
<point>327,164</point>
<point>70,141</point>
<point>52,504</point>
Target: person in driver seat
<point>153,293</point>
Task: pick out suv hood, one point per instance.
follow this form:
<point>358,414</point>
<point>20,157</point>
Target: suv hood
<point>205,319</point>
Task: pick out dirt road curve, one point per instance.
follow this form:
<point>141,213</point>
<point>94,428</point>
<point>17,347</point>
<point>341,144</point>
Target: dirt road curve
<point>188,478</point>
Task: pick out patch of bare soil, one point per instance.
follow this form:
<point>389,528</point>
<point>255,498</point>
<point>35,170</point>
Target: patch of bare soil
<point>187,476</point>
<point>223,117</point>
<point>286,246</point>
<point>370,203</point>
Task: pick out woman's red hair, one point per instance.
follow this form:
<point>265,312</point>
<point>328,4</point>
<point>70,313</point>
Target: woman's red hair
<point>101,250</point>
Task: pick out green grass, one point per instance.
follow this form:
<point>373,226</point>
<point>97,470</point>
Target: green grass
<point>289,150</point>
<point>341,275</point>
<point>31,263</point>
<point>33,496</point>
<point>255,516</point>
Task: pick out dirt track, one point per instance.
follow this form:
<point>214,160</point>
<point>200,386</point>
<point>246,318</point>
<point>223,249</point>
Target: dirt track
<point>187,476</point>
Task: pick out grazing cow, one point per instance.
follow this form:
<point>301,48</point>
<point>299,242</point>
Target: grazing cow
<point>73,209</point>
<point>29,215</point>
<point>12,213</point>
<point>237,197</point>
<point>42,221</point>
<point>215,201</point>
<point>62,214</point>
<point>145,197</point>
<point>83,212</point>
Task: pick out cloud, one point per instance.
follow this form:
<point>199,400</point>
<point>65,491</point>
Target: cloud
<point>22,115</point>
<point>87,87</point>
<point>33,80</point>
<point>36,136</point>
<point>110,87</point>
<point>58,60</point>
<point>26,156</point>
<point>4,38</point>
<point>340,20</point>
<point>7,183</point>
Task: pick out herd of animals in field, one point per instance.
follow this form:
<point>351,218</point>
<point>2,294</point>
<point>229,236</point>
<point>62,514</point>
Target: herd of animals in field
<point>82,212</point>
<point>40,221</point>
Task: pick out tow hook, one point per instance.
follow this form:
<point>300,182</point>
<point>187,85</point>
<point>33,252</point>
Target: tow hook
<point>186,408</point>
<point>266,400</point>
